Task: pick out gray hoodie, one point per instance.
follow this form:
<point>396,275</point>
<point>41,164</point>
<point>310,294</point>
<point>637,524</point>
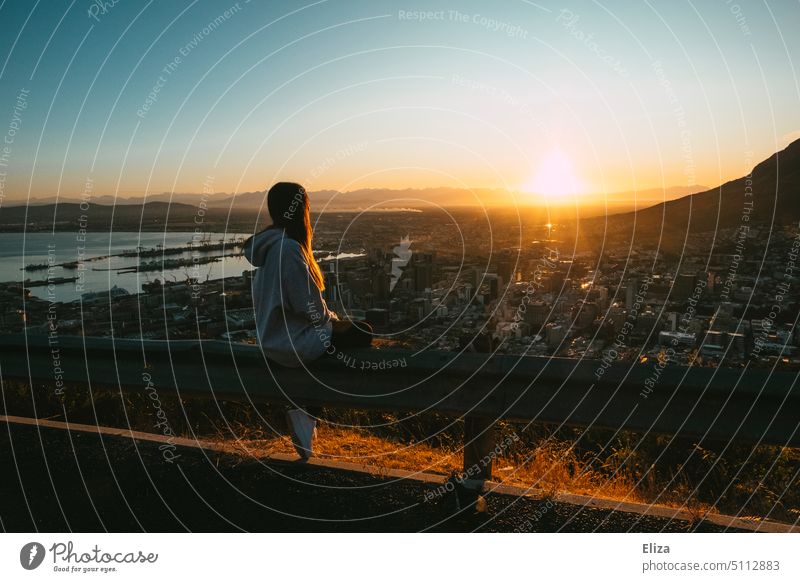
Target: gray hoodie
<point>292,320</point>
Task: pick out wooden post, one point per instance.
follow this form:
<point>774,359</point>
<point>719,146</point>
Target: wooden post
<point>479,445</point>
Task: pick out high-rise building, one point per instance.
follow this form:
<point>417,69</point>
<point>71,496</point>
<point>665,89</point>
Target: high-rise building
<point>423,268</point>
<point>682,287</point>
<point>331,293</point>
<point>474,276</point>
<point>494,287</point>
<point>631,289</point>
<point>647,322</point>
<point>723,319</point>
<point>616,317</point>
<point>423,276</point>
<point>554,282</point>
<point>599,295</point>
<point>554,335</point>
<point>505,266</point>
<point>672,320</point>
<point>419,308</point>
<point>583,314</point>
<point>380,285</point>
<point>739,344</point>
<point>711,278</point>
<point>378,318</point>
<point>536,313</point>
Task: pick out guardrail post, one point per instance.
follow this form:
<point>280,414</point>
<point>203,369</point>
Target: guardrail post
<point>478,447</point>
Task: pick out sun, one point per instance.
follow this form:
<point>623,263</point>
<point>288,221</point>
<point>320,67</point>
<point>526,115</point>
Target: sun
<point>555,179</point>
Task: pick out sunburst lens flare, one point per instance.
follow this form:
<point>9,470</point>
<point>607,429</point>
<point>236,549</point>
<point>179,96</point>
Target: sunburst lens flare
<point>555,179</point>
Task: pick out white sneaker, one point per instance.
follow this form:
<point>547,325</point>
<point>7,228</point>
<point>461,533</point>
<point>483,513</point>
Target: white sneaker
<point>303,427</point>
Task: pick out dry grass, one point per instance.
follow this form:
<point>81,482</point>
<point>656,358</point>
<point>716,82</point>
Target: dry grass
<point>553,468</point>
<point>351,446</point>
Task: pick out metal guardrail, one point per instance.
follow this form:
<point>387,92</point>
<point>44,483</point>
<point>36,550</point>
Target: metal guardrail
<point>721,404</point>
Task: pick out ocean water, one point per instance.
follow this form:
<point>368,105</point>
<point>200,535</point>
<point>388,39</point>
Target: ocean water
<point>17,250</point>
<point>20,249</point>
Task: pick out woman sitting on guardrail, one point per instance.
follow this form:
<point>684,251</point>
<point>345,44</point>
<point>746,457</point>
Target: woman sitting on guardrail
<point>293,323</point>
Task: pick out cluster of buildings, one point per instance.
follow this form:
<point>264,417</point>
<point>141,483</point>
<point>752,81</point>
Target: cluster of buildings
<point>637,304</point>
<point>624,305</point>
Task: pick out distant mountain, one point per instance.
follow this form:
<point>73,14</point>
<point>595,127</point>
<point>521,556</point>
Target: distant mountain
<point>775,187</point>
<point>191,198</point>
<point>95,216</point>
<point>152,216</point>
<point>383,198</point>
<point>449,197</point>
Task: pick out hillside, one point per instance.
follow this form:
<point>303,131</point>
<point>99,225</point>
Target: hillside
<point>775,199</point>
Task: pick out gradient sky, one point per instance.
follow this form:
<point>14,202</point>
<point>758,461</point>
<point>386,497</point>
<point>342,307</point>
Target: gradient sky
<point>345,94</point>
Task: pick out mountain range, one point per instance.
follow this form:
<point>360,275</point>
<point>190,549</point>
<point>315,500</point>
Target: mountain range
<point>380,198</point>
<point>770,194</point>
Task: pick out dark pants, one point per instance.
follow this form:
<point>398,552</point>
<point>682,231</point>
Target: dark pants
<point>349,334</point>
<point>346,334</point>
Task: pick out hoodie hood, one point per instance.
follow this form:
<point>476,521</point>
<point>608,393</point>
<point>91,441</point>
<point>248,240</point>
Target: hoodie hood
<point>257,246</point>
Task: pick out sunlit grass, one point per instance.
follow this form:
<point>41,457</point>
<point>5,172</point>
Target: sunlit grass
<point>738,479</point>
<point>552,468</point>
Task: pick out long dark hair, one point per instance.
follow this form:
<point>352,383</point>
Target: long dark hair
<point>290,210</point>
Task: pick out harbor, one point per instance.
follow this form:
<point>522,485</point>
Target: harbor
<point>129,260</point>
<point>57,268</point>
